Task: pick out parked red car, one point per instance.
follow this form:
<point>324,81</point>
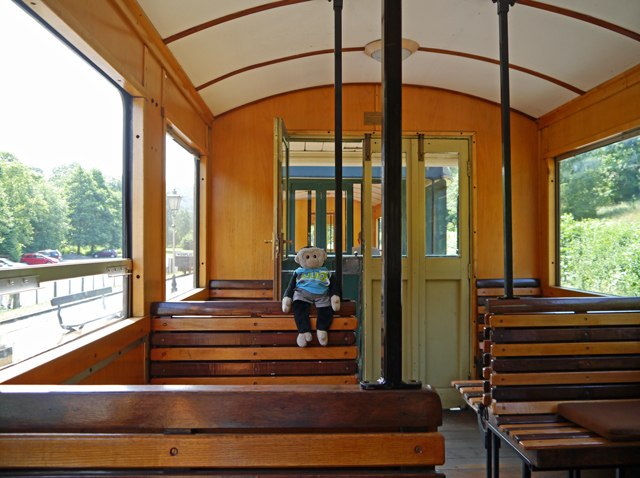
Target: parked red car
<point>36,258</point>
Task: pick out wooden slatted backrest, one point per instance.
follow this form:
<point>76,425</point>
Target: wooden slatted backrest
<point>241,290</point>
<point>490,289</point>
<point>247,343</point>
<point>219,431</point>
<point>540,352</point>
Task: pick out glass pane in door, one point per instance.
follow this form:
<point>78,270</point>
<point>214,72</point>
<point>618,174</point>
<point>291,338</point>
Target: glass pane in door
<point>331,209</point>
<point>376,172</point>
<point>305,219</point>
<point>441,203</point>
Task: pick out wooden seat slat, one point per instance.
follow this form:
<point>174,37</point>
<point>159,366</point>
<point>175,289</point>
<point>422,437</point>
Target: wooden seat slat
<point>551,431</point>
<point>564,378</point>
<point>254,353</point>
<point>172,339</point>
<point>242,323</point>
<point>234,308</point>
<point>583,348</point>
<point>566,392</point>
<point>563,304</point>
<point>563,319</point>
<point>270,380</point>
<point>590,441</point>
<point>517,291</point>
<point>210,369</point>
<point>558,334</point>
<point>241,284</point>
<point>538,426</point>
<point>140,407</point>
<point>222,450</point>
<point>558,436</point>
<point>565,364</point>
<point>241,294</point>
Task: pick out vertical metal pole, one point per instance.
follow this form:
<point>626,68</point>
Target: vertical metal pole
<point>337,228</point>
<point>503,10</point>
<point>391,191</point>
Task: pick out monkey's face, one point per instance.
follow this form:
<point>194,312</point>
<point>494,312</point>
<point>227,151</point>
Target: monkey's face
<point>311,257</point>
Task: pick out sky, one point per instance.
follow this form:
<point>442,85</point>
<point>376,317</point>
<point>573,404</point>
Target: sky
<point>56,109</point>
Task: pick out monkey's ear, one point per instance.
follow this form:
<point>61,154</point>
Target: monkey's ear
<point>297,258</point>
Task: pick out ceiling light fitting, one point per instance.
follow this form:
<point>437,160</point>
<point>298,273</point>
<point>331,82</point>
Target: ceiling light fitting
<point>374,49</point>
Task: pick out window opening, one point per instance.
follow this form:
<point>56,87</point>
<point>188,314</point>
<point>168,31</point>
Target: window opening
<point>599,219</point>
<point>182,171</point>
<point>64,191</point>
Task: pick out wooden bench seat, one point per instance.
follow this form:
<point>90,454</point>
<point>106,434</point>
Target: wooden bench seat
<point>219,431</point>
<point>490,289</point>
<point>540,353</point>
<point>241,290</point>
<point>247,343</point>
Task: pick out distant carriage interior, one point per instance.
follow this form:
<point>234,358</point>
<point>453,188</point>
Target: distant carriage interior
<point>469,168</point>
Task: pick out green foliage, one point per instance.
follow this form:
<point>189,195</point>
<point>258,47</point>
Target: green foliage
<point>73,206</point>
<point>23,188</point>
<point>187,241</point>
<point>600,256</point>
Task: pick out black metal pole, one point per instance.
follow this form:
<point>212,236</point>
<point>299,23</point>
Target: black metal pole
<point>503,10</point>
<point>337,228</point>
<point>391,201</point>
<point>391,191</point>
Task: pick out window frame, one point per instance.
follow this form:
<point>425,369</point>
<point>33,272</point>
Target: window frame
<point>554,187</point>
<point>82,268</point>
<point>190,146</point>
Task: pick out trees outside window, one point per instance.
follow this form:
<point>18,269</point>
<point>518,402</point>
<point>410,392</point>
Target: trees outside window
<point>599,199</point>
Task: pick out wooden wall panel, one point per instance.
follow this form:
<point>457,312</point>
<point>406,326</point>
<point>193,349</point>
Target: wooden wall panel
<point>242,198</point>
<point>108,28</point>
<point>127,370</point>
<point>183,114</point>
<point>611,108</point>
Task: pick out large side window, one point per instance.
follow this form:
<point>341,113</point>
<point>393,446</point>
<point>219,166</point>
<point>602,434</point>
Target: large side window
<point>62,220</point>
<point>182,172</point>
<point>599,223</point>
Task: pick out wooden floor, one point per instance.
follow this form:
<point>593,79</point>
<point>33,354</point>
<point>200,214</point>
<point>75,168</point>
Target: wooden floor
<point>465,453</point>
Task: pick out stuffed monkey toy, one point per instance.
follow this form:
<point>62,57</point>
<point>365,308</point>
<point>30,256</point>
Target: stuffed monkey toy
<point>311,284</point>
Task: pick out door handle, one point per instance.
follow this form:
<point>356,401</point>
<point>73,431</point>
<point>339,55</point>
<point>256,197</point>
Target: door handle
<point>267,241</point>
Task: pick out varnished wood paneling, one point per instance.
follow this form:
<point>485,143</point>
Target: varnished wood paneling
<point>127,370</point>
<point>58,365</point>
<point>140,408</point>
<point>183,115</point>
<point>309,380</point>
<point>253,353</point>
<point>242,198</point>
<point>223,451</point>
<point>110,30</point>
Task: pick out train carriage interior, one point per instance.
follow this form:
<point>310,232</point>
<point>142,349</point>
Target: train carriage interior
<point>470,167</point>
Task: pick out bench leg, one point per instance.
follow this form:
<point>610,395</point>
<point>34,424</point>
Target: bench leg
<point>620,473</point>
<point>488,437</point>
<point>526,471</point>
<point>496,456</point>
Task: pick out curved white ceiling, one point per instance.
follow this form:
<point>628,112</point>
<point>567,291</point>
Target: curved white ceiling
<point>565,55</point>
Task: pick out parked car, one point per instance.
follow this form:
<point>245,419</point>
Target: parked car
<point>105,253</point>
<point>37,258</point>
<point>52,253</point>
<point>7,263</point>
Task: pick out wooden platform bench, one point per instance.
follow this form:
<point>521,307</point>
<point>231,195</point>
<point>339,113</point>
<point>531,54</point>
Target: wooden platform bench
<point>241,290</point>
<point>247,343</point>
<point>491,289</point>
<point>216,431</point>
<point>544,358</point>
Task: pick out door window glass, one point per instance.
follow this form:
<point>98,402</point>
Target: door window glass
<point>305,219</point>
<point>441,203</point>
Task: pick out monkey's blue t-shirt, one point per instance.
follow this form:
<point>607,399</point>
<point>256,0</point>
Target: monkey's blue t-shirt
<point>315,281</point>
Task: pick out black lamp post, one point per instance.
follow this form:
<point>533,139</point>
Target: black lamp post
<point>174,204</point>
